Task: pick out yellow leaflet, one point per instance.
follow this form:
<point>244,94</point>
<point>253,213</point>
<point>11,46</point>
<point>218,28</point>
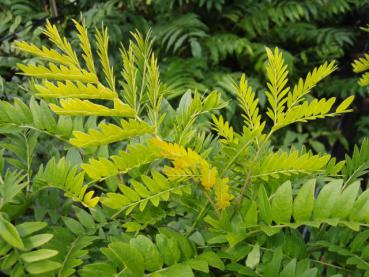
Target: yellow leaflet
<point>109,133</point>
<point>223,197</point>
<point>280,164</point>
<point>304,87</point>
<point>86,108</point>
<point>58,73</point>
<point>208,176</point>
<point>189,164</point>
<point>77,90</point>
<point>45,53</point>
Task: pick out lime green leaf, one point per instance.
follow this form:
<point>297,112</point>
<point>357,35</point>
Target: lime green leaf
<point>326,199</point>
<point>97,270</point>
<point>212,259</point>
<point>38,255</point>
<point>198,264</point>
<point>42,267</point>
<point>73,225</point>
<point>282,203</point>
<point>265,209</point>
<point>345,104</point>
<point>129,257</point>
<point>304,202</point>
<point>28,228</point>
<point>37,240</point>
<point>251,217</point>
<point>10,234</point>
<point>149,251</point>
<point>168,249</point>
<point>253,258</point>
<point>345,201</point>
<point>176,270</point>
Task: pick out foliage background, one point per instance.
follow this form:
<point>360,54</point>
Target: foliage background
<point>201,44</point>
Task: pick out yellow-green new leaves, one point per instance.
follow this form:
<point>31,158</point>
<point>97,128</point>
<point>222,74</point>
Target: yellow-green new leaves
<point>224,130</point>
<point>59,73</point>
<point>45,53</point>
<point>74,90</point>
<point>134,156</point>
<point>280,164</point>
<point>303,87</point>
<point>87,108</point>
<point>62,43</point>
<point>313,110</point>
<point>223,196</point>
<point>85,46</point>
<point>139,194</point>
<point>65,177</point>
<point>249,104</point>
<point>361,65</point>
<point>109,133</point>
<point>102,40</point>
<point>276,72</point>
<point>78,83</point>
<point>187,164</point>
<point>286,106</point>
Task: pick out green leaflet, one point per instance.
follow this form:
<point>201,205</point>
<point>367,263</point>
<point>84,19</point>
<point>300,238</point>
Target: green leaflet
<point>151,190</point>
<point>268,219</point>
<point>282,203</point>
<point>304,202</point>
<point>133,157</point>
<point>65,177</point>
<point>326,199</point>
<point>10,234</point>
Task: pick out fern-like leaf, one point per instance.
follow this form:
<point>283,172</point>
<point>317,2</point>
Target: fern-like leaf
<point>314,110</point>
<point>358,164</point>
<point>280,164</point>
<point>139,194</point>
<point>187,164</point>
<point>277,75</point>
<point>59,73</point>
<point>65,177</point>
<point>85,45</point>
<point>86,108</point>
<point>109,133</point>
<point>249,104</point>
<point>224,130</point>
<point>134,156</point>
<point>303,87</point>
<point>77,90</point>
<point>102,39</point>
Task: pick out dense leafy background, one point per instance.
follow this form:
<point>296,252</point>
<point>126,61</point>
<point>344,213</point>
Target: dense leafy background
<point>201,44</point>
<point>300,223</point>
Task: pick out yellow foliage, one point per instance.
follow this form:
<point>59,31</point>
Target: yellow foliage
<point>74,90</point>
<point>109,133</point>
<point>189,164</point>
<point>85,107</point>
<point>223,197</point>
<point>59,73</point>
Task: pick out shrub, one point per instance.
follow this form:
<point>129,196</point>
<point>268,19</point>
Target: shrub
<point>157,187</point>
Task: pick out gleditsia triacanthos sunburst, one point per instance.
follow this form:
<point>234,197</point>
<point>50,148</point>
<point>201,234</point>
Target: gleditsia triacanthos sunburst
<point>188,163</point>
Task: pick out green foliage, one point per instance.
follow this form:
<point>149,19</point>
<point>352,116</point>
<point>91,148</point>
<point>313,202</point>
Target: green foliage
<point>143,183</point>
